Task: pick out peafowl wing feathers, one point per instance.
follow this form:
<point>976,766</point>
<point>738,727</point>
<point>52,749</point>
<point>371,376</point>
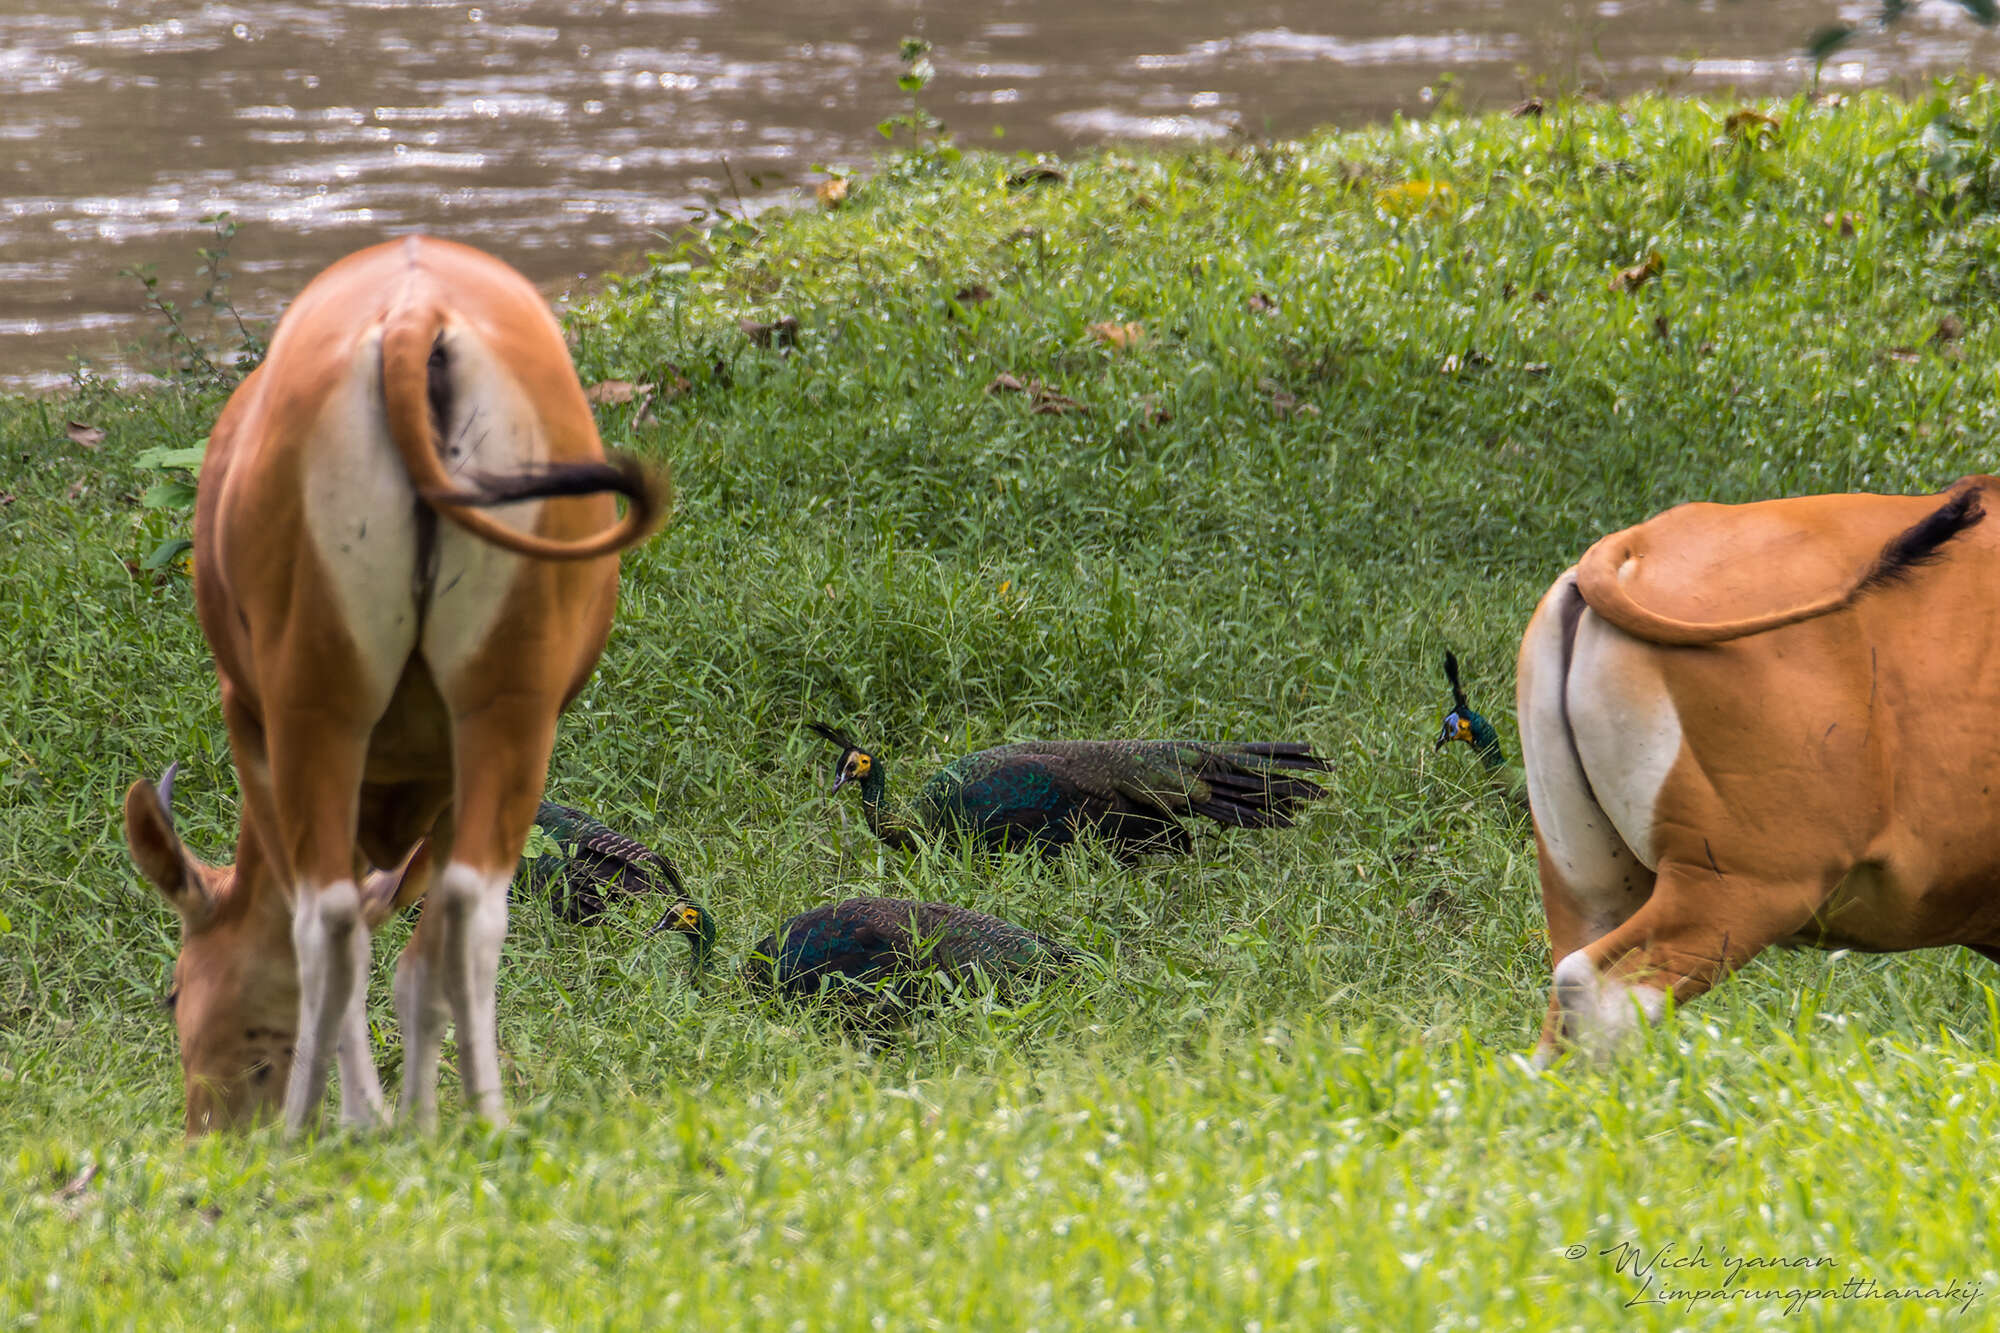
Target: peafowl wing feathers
<point>871,940</point>
<point>1132,793</point>
<point>596,863</point>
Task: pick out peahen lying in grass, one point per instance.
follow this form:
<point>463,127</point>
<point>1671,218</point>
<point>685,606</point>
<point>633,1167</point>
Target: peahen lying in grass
<point>1462,724</point>
<point>594,862</point>
<point>851,947</point>
<point>1133,794</point>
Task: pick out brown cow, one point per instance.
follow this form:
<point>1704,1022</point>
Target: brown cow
<point>392,662</point>
<point>1772,723</point>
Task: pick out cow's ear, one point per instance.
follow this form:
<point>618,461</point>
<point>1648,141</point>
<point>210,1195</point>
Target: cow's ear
<point>157,851</point>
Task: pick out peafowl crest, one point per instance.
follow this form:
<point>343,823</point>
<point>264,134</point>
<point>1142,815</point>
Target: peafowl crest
<point>1462,723</point>
<point>1040,795</point>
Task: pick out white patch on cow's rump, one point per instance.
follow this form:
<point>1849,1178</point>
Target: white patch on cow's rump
<point>1598,870</point>
<point>1626,731</point>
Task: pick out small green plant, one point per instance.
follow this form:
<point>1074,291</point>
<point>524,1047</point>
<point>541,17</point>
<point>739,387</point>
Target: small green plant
<point>929,140</point>
<point>174,492</point>
<point>190,357</point>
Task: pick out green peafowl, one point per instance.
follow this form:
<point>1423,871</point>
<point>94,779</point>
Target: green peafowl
<point>1462,724</point>
<point>849,947</point>
<point>594,861</point>
<point>1133,794</point>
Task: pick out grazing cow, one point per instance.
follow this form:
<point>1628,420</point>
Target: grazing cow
<point>392,662</point>
<point>1759,724</point>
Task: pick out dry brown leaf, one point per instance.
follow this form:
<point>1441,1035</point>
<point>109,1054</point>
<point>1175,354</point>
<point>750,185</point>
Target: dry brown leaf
<point>1531,106</point>
<point>1152,414</point>
<point>1535,368</point>
<point>78,1185</point>
<point>1260,304</point>
<point>1540,297</point>
<point>1662,327</point>
<point>1749,122</point>
<point>1052,404</point>
<point>672,383</point>
<point>1039,174</point>
<point>832,192</point>
<point>972,295</point>
<point>607,392</point>
<point>1842,222</point>
<point>1633,278</point>
<point>6,498</point>
<point>1043,400</point>
<point>1121,336</point>
<point>78,487</point>
<point>1284,402</point>
<point>1906,355</point>
<point>783,332</point>
<point>1949,330</point>
<point>90,437</point>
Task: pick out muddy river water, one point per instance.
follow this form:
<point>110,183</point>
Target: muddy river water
<point>566,134</point>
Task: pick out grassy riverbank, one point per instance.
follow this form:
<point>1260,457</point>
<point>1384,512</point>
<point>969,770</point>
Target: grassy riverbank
<point>1356,400</point>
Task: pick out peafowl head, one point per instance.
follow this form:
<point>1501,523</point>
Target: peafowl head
<point>854,765</point>
<point>691,919</point>
<point>1462,723</point>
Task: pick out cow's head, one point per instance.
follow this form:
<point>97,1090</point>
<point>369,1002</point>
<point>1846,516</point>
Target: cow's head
<point>235,991</point>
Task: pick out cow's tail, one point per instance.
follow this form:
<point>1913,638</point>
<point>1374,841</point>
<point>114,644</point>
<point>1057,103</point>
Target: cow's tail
<point>1920,544</point>
<point>416,389</point>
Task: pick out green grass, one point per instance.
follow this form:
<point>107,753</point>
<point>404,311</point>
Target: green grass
<point>1295,1097</point>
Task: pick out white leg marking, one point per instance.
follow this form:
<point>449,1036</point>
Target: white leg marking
<point>474,915</point>
<point>360,1086</point>
<point>423,1012</point>
<point>1598,1015</point>
<point>332,949</point>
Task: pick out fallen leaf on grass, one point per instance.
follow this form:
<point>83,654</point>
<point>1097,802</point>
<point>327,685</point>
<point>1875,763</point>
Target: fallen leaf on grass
<point>78,487</point>
<point>1152,414</point>
<point>1043,400</point>
<point>831,193</point>
<point>1531,106</point>
<point>81,1183</point>
<point>1633,278</point>
<point>1750,124</point>
<point>1284,402</point>
<point>972,295</point>
<point>90,437</point>
<point>1662,327</point>
<point>1842,222</point>
<point>1039,174</point>
<point>607,392</point>
<point>1454,363</point>
<point>1121,336</point>
<point>1949,330</point>
<point>1905,355</point>
<point>5,498</point>
<point>783,332</point>
<point>1535,368</point>
<point>1260,304</point>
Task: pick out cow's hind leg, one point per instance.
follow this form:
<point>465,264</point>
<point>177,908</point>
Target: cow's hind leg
<point>422,1009</point>
<point>502,762</point>
<point>1681,942</point>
